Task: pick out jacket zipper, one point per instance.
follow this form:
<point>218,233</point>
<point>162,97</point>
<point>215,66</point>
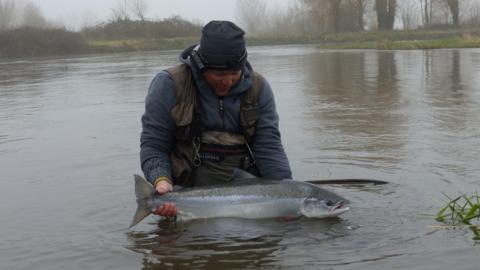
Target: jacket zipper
<point>221,111</point>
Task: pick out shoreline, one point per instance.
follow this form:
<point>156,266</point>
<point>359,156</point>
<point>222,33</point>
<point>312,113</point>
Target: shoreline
<point>446,43</point>
<point>390,40</point>
<point>116,46</point>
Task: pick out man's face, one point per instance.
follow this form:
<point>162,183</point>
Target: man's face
<point>221,81</point>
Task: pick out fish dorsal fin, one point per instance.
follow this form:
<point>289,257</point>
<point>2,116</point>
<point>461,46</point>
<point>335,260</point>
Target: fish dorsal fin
<point>241,174</point>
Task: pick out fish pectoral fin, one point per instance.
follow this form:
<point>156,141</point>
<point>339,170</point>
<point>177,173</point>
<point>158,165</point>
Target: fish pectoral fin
<point>291,217</point>
<point>238,174</point>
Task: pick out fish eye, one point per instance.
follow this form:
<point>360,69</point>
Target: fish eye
<point>329,202</point>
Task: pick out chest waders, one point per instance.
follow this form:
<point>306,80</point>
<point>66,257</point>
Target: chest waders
<point>208,157</point>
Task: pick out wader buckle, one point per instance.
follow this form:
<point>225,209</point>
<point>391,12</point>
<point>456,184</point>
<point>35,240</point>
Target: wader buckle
<point>197,161</point>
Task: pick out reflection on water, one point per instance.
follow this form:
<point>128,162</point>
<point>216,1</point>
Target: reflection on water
<point>356,95</point>
<point>216,244</point>
<point>69,135</point>
<point>232,243</point>
<point>370,111</point>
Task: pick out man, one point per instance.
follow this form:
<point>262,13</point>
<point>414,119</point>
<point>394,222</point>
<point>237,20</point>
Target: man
<point>208,116</point>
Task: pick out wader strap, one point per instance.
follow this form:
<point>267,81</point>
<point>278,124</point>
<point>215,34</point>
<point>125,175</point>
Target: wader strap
<point>196,133</point>
<point>250,112</point>
<point>250,109</point>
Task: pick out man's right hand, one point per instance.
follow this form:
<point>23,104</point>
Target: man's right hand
<point>167,209</point>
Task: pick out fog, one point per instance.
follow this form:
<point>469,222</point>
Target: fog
<point>75,14</point>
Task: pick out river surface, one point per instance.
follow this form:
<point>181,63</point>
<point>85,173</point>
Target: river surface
<point>69,145</point>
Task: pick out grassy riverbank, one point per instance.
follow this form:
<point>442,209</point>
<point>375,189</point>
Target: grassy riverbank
<point>466,40</point>
<point>453,42</point>
<point>28,42</point>
<point>390,40</point>
<point>397,40</point>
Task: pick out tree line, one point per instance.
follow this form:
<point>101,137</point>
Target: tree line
<point>25,31</point>
<point>127,20</point>
<point>129,17</point>
<point>16,14</point>
<point>336,16</point>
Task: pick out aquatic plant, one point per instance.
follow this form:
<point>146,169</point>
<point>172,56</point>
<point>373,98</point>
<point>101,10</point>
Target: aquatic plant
<point>462,210</point>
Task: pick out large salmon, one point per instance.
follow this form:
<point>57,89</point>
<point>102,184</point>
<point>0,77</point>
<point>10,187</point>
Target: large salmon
<point>246,198</point>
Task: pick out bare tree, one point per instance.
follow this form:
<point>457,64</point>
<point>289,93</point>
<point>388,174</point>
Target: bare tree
<point>7,9</point>
<point>353,12</point>
<point>385,13</point>
<point>409,13</point>
<point>440,12</point>
<point>337,15</point>
<point>32,16</point>
<point>471,12</point>
<point>360,6</point>
<point>334,7</point>
<point>426,7</point>
<point>455,10</point>
<point>252,14</point>
<point>139,8</point>
<point>289,21</point>
<point>120,12</point>
<point>325,14</point>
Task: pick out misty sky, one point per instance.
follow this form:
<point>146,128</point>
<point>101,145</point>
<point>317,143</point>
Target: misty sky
<point>74,13</point>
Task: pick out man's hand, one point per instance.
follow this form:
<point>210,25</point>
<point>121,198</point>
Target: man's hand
<point>167,209</point>
<point>163,187</point>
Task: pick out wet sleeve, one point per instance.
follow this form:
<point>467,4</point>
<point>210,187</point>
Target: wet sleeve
<point>158,127</point>
<point>269,153</point>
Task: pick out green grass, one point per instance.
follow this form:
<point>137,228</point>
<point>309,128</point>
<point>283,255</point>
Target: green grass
<point>387,40</point>
<point>462,210</point>
<point>127,45</point>
<point>386,44</point>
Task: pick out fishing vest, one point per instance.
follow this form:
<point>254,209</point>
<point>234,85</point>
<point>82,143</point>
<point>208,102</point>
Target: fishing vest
<point>187,118</point>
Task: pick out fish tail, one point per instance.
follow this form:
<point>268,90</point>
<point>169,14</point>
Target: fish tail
<point>143,191</point>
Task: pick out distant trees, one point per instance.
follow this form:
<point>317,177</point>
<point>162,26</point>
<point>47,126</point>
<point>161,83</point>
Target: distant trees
<point>325,13</point>
<point>385,13</point>
<point>171,27</point>
<point>454,6</point>
<point>333,16</point>
<point>7,9</point>
<point>120,12</point>
<point>14,14</point>
<point>139,8</point>
<point>471,12</point>
<point>124,10</point>
<point>444,12</point>
<point>336,16</point>
<point>28,41</point>
<point>32,17</point>
<point>409,16</point>
<point>252,14</point>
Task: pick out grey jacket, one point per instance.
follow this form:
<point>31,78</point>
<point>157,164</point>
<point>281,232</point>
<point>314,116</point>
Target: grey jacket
<point>158,128</point>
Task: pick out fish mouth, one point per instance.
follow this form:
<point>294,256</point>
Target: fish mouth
<point>314,208</point>
<point>338,208</point>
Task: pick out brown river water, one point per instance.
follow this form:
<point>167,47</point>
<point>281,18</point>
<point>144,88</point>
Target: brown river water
<point>69,144</point>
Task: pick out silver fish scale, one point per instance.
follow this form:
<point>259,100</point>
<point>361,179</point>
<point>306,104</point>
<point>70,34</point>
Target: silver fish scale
<point>266,188</point>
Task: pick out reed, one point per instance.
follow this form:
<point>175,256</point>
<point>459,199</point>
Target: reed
<point>462,210</point>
